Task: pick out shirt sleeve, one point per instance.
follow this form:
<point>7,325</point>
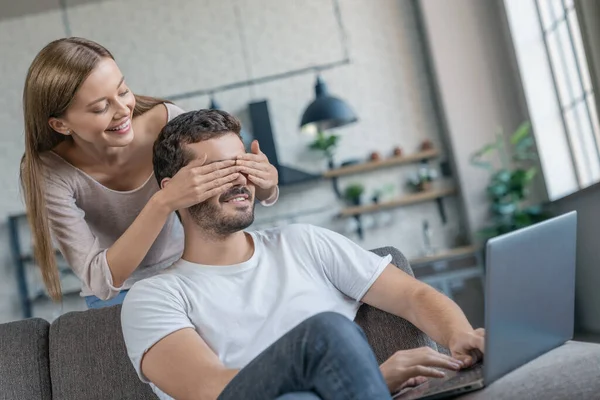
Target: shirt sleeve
<point>349,267</point>
<point>77,243</point>
<point>150,312</point>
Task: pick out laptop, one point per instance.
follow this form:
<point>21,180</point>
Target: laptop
<point>529,305</point>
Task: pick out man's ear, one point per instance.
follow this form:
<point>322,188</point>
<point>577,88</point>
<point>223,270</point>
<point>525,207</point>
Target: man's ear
<point>59,126</point>
<point>164,182</point>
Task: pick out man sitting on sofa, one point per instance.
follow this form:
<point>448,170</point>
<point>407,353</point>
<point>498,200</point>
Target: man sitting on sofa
<point>269,314</point>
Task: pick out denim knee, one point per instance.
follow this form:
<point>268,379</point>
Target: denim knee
<point>334,325</point>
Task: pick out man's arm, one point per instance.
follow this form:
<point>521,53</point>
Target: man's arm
<point>183,366</point>
<point>400,294</point>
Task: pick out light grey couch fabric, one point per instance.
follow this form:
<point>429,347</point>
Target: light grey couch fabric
<point>375,322</point>
<point>571,371</point>
<point>82,356</point>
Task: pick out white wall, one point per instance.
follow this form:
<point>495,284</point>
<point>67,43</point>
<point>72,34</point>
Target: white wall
<point>165,48</point>
<point>478,84</point>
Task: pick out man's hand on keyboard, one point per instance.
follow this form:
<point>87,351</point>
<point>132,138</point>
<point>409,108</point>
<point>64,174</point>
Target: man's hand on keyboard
<point>412,367</point>
<point>468,346</point>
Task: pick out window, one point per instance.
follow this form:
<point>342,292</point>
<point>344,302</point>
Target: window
<point>559,92</point>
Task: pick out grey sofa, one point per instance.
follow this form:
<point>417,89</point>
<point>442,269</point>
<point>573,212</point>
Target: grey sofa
<point>81,355</point>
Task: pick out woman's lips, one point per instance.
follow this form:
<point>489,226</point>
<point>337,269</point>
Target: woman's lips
<point>122,128</point>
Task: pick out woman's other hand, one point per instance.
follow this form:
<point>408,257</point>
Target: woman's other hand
<point>259,170</point>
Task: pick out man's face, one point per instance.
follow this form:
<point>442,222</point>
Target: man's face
<point>232,211</point>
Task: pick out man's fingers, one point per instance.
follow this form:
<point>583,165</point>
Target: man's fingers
<point>416,381</point>
<point>442,356</point>
<point>420,370</point>
<point>477,342</point>
<point>440,361</point>
<point>476,355</point>
<point>410,382</point>
<point>466,359</point>
<point>419,380</point>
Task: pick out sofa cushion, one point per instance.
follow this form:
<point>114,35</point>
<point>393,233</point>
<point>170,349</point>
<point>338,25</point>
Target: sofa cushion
<point>24,370</point>
<point>88,359</point>
<point>571,371</point>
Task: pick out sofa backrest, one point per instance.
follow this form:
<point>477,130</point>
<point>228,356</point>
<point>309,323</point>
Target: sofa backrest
<point>88,359</point>
<point>24,363</point>
<point>82,355</point>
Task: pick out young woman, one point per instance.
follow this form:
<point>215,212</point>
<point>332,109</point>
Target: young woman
<point>87,173</point>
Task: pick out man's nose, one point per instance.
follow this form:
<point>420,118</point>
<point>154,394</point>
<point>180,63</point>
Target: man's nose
<point>241,180</point>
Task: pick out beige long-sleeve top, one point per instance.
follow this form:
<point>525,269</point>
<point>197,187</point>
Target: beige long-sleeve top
<point>86,218</point>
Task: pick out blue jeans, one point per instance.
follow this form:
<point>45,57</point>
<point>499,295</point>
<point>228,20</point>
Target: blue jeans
<point>94,302</point>
<point>325,357</point>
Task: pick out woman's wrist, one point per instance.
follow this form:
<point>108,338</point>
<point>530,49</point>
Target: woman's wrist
<point>159,204</point>
<point>268,195</point>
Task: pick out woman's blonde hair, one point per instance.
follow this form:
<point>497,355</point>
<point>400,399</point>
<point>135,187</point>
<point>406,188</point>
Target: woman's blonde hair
<point>53,78</point>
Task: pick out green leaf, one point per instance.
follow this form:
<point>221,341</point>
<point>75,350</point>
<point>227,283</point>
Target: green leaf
<point>502,176</point>
<point>489,232</point>
<point>476,158</point>
<point>521,133</point>
<point>530,174</point>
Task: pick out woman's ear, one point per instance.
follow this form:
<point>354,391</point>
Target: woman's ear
<point>59,126</point>
<point>164,182</point>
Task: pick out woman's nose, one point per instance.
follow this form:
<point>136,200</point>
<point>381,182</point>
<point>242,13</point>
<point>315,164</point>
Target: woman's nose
<point>122,109</point>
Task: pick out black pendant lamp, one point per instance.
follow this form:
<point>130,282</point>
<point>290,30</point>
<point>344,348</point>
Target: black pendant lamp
<point>326,111</point>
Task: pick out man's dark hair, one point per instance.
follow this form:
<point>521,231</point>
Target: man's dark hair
<point>170,153</point>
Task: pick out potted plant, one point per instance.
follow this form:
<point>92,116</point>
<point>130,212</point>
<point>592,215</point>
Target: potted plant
<point>380,192</point>
<point>421,181</point>
<point>510,182</point>
<point>353,193</point>
<point>326,144</point>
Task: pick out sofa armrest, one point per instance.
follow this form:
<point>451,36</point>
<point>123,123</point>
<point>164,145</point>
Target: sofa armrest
<point>388,334</point>
<point>385,332</point>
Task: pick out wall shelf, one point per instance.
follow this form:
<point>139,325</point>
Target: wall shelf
<point>23,261</point>
<point>412,198</point>
<point>387,162</point>
<point>445,255</point>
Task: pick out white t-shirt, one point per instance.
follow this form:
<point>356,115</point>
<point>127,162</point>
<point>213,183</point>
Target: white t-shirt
<point>295,272</point>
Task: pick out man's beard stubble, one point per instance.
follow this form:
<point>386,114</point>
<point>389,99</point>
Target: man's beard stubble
<point>210,218</point>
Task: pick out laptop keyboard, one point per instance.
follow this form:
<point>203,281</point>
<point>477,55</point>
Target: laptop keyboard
<point>453,380</point>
